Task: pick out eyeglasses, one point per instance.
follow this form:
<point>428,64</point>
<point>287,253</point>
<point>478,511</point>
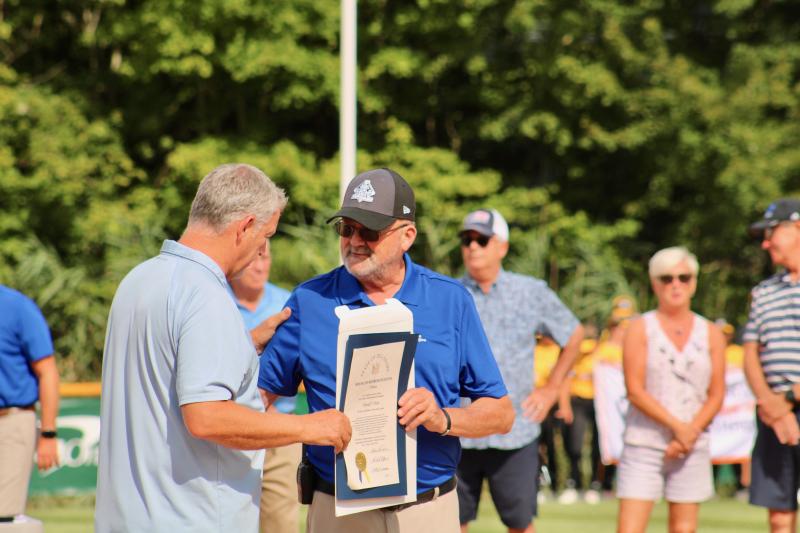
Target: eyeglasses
<point>666,279</point>
<point>343,229</point>
<point>482,240</point>
<point>770,231</point>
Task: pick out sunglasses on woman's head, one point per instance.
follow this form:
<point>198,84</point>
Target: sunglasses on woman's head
<point>343,229</point>
<point>666,279</point>
<point>482,240</point>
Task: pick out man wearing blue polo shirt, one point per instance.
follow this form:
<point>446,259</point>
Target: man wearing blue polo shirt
<point>772,366</point>
<point>453,358</point>
<point>257,300</point>
<point>28,374</point>
<point>182,424</point>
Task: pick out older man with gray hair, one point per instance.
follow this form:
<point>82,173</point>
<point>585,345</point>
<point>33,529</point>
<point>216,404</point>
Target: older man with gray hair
<point>181,416</point>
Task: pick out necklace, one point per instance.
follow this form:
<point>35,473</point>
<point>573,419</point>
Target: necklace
<point>676,329</point>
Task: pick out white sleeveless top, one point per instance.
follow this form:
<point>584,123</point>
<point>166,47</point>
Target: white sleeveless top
<point>678,380</point>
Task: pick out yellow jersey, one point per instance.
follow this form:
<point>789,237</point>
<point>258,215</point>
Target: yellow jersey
<point>544,360</point>
<point>734,356</point>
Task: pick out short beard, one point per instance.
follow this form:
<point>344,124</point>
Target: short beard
<point>366,270</point>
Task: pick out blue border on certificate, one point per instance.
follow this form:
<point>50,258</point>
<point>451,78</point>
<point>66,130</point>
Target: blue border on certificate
<point>365,340</point>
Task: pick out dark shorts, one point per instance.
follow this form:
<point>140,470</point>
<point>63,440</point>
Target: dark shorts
<point>513,477</point>
<point>775,468</point>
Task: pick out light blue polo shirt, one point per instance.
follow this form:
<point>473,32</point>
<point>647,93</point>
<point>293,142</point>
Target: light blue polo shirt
<point>174,337</point>
<point>515,309</point>
<point>453,357</point>
<point>24,339</point>
<point>272,301</point>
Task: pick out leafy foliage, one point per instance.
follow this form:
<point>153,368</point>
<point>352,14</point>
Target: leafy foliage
<point>603,130</point>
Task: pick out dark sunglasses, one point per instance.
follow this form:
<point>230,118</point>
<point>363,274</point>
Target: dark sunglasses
<point>482,240</point>
<point>666,279</point>
<point>343,229</point>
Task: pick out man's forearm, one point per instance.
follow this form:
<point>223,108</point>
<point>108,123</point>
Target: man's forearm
<point>566,359</point>
<point>47,375</point>
<point>753,371</point>
<point>484,416</point>
<point>236,426</point>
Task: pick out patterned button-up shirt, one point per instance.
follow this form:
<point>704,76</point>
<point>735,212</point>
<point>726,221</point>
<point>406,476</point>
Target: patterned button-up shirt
<point>514,310</point>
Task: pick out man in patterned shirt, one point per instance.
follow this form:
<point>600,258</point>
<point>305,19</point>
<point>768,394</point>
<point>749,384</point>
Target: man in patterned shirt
<point>772,365</point>
<point>513,309</point>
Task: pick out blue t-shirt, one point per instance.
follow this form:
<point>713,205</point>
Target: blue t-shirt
<point>453,357</point>
<point>24,339</point>
<point>174,337</point>
<point>272,301</point>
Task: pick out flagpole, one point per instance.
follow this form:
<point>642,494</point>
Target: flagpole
<point>347,109</point>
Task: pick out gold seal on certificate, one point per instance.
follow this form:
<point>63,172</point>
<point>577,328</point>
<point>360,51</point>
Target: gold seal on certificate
<point>361,464</point>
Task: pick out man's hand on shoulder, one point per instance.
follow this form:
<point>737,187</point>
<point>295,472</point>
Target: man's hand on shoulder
<point>263,332</point>
<point>418,407</point>
<point>330,427</point>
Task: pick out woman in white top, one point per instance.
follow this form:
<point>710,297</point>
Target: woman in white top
<point>675,377</point>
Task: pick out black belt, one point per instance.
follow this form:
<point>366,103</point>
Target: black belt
<point>423,497</point>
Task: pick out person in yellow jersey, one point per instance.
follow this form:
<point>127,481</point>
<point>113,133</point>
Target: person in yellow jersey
<point>609,352</point>
<point>579,418</point>
<point>547,352</point>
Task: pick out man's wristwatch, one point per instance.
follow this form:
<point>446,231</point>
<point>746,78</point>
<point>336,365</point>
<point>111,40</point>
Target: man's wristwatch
<point>48,433</point>
<point>790,397</point>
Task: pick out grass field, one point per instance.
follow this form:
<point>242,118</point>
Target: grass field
<point>75,515</point>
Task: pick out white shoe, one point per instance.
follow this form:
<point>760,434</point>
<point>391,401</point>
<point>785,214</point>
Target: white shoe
<point>592,497</point>
<point>568,496</point>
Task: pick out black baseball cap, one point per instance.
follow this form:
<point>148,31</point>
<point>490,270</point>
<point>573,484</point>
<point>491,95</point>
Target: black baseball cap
<point>783,210</point>
<point>376,198</point>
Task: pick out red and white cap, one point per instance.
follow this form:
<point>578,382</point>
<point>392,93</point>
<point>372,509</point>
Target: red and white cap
<point>488,222</point>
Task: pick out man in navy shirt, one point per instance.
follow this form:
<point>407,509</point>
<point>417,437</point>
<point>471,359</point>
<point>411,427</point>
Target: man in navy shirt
<point>453,358</point>
<point>28,374</point>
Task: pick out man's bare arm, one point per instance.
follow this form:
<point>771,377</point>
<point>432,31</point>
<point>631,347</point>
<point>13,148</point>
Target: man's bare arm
<point>47,374</point>
<point>484,416</point>
<point>236,426</point>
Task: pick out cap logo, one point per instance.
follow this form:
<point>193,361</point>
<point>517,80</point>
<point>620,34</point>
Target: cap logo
<point>770,210</point>
<point>364,192</point>
<point>479,217</point>
<point>406,210</point>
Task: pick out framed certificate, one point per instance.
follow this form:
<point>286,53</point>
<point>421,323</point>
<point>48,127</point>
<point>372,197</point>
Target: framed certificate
<point>376,373</point>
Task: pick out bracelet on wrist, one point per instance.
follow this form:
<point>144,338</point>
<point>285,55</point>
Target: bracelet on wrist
<point>449,424</point>
<point>48,433</point>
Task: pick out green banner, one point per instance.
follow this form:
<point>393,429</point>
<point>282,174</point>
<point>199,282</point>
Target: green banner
<point>78,439</point>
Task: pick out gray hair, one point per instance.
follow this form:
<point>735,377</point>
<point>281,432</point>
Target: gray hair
<point>232,191</point>
<point>664,260</point>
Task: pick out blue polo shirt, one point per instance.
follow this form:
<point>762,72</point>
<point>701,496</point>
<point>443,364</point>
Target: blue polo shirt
<point>24,339</point>
<point>453,357</point>
<point>272,301</point>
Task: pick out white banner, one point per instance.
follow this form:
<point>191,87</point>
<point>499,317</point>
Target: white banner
<point>733,430</point>
<point>610,406</point>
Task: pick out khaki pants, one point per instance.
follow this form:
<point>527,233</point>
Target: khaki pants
<point>17,444</point>
<point>439,515</point>
<point>280,509</point>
